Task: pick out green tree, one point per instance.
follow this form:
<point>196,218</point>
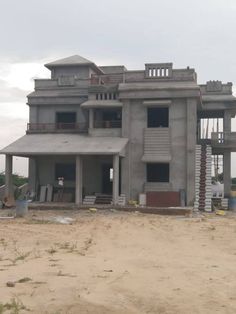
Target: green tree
<point>17,179</point>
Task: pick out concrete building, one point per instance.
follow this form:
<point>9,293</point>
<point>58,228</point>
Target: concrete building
<point>110,131</point>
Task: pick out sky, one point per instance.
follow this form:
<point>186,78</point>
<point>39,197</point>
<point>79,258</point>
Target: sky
<point>200,34</point>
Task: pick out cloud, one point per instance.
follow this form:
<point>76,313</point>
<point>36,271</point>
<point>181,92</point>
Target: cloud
<point>11,94</point>
<point>11,129</point>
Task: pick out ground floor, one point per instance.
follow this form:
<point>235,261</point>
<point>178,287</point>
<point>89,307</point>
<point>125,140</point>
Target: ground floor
<point>115,167</point>
<point>108,176</point>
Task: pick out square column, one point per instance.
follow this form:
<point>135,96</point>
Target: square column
<point>227,173</point>
<point>191,142</point>
<point>115,183</point>
<point>8,177</point>
<point>91,118</point>
<point>227,121</point>
<point>32,175</point>
<point>79,181</point>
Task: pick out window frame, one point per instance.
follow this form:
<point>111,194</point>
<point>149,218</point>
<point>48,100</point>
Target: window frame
<point>151,172</point>
<point>151,123</point>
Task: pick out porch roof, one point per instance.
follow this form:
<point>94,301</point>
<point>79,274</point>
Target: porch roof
<point>65,144</point>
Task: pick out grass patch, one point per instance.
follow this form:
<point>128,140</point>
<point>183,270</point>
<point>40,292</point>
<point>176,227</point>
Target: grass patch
<point>24,279</point>
<point>14,306</point>
<point>61,274</point>
<point>21,256</point>
<point>51,251</point>
<point>67,246</point>
<point>38,222</point>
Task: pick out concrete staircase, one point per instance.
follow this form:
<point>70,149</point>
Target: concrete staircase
<point>103,199</point>
<point>203,191</point>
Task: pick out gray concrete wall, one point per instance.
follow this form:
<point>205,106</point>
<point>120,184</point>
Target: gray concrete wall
<point>79,72</point>
<point>133,169</point>
<point>178,122</point>
<point>47,114</point>
<point>46,169</point>
<point>92,173</point>
<point>105,132</point>
<point>138,122</point>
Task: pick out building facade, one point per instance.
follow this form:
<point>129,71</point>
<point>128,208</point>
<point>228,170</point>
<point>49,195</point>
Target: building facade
<point>110,131</point>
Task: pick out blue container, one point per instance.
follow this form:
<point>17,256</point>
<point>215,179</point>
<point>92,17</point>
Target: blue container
<point>232,203</point>
<point>21,208</point>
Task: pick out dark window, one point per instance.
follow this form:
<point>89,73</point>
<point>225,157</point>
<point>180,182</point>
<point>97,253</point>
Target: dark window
<point>67,171</point>
<point>65,120</point>
<point>158,172</point>
<point>158,117</point>
<point>66,117</point>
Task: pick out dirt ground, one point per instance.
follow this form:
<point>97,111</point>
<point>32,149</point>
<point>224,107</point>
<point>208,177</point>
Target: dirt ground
<point>113,262</point>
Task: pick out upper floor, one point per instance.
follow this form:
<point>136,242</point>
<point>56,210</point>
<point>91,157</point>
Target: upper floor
<point>82,97</point>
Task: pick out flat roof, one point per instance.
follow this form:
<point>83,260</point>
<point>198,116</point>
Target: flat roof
<point>218,98</point>
<point>65,144</point>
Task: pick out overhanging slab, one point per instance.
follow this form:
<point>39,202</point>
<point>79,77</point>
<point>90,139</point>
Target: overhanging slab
<point>65,144</point>
<point>102,104</point>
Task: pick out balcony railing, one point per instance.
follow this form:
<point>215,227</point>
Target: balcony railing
<point>220,140</point>
<point>110,124</point>
<point>57,127</point>
<point>223,138</point>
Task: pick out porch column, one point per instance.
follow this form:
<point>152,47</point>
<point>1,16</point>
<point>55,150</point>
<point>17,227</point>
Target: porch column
<point>91,118</point>
<point>8,176</point>
<point>115,182</point>
<point>227,173</point>
<point>32,175</point>
<point>79,181</point>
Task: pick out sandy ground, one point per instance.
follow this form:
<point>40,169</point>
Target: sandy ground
<point>115,262</point>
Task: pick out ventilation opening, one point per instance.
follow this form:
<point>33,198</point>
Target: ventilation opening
<point>158,172</point>
<point>158,117</point>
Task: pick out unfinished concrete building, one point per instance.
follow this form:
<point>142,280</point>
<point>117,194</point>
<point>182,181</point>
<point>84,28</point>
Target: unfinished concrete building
<point>109,131</point>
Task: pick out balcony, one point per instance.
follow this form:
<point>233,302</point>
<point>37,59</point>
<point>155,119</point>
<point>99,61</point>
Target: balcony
<point>224,140</point>
<point>108,124</point>
<point>57,128</point>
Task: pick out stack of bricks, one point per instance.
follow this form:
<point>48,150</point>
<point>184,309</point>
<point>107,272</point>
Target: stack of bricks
<point>203,192</point>
<point>224,203</point>
<point>197,176</point>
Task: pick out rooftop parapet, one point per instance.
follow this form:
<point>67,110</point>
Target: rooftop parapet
<point>158,70</point>
<point>152,72</point>
<point>216,87</point>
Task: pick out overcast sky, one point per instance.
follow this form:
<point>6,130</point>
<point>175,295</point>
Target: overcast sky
<point>199,34</point>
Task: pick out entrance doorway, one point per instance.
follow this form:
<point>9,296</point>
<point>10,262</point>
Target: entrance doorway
<point>107,178</point>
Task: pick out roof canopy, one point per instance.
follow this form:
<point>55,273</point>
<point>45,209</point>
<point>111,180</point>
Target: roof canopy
<point>65,144</point>
<point>75,60</point>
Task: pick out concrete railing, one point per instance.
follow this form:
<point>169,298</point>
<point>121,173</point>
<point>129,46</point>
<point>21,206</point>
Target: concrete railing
<point>107,124</point>
<point>223,138</point>
<point>57,127</point>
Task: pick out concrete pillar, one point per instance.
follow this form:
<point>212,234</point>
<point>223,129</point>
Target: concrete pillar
<point>126,161</point>
<point>227,173</point>
<point>115,179</point>
<point>8,177</point>
<point>79,181</point>
<point>227,121</point>
<point>191,144</point>
<point>32,175</point>
<point>91,118</point>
